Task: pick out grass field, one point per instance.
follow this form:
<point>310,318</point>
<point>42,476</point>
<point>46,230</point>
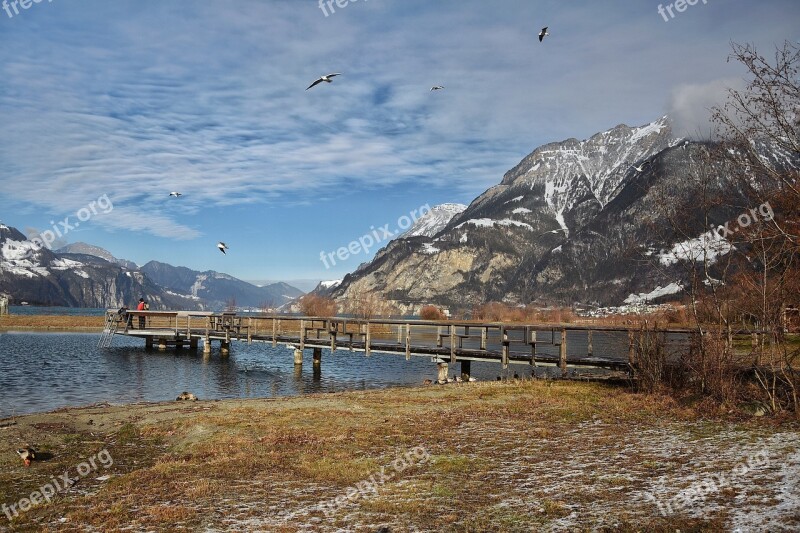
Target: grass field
<point>51,322</point>
<point>512,456</point>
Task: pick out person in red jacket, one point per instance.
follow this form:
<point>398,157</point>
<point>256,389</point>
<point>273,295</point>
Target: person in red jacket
<point>141,307</point>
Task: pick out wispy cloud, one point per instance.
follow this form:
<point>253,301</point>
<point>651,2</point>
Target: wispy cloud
<point>137,98</point>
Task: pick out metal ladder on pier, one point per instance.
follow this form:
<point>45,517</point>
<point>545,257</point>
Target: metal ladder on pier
<point>110,328</point>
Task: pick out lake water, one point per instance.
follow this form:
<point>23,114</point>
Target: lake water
<point>45,371</point>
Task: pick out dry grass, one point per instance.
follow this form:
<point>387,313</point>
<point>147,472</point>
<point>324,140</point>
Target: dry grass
<point>515,456</point>
<point>55,322</point>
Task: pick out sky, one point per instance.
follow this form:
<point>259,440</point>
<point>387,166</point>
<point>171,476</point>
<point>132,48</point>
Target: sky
<point>108,106</point>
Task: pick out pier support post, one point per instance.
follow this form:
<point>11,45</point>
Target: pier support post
<point>225,348</point>
<point>562,359</point>
<point>298,357</point>
<point>317,358</point>
<point>162,344</point>
<point>206,346</point>
<point>443,368</point>
<point>148,342</point>
<point>193,343</point>
<point>466,369</point>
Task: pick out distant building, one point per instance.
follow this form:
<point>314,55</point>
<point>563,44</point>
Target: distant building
<point>3,305</point>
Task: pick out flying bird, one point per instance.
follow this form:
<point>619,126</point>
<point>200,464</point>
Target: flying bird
<point>27,455</point>
<point>437,87</point>
<point>222,247</point>
<point>640,168</point>
<point>544,33</point>
<point>176,194</point>
<point>326,79</point>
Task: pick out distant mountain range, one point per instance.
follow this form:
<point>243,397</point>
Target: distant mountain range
<point>217,288</point>
<point>574,221</point>
<point>82,275</point>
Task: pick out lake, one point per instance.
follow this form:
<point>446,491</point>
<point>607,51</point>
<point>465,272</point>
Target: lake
<point>45,371</point>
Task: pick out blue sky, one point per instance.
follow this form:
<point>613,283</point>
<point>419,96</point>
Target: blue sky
<point>134,99</point>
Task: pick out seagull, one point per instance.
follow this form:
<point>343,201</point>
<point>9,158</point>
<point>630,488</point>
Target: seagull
<point>176,194</point>
<point>437,87</point>
<point>544,33</point>
<point>222,247</point>
<point>640,168</point>
<point>27,455</point>
<point>326,78</point>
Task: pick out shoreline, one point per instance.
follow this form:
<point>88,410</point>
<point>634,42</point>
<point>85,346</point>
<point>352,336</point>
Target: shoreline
<point>498,456</point>
<point>52,323</point>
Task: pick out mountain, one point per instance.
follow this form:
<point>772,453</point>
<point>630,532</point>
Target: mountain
<point>88,249</point>
<point>572,222</point>
<point>217,289</point>
<point>42,277</point>
<point>82,275</point>
<point>305,285</point>
<point>434,220</point>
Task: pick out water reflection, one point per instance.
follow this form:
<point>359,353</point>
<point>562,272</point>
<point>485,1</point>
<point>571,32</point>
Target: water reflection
<point>44,371</point>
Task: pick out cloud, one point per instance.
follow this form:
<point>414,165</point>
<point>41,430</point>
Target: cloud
<point>137,98</point>
<point>691,105</point>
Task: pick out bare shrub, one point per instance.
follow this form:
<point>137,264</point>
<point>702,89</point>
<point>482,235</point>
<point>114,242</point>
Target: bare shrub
<point>431,312</point>
<point>651,360</point>
<point>317,305</point>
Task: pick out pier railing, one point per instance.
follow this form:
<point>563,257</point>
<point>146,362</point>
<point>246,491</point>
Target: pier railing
<point>448,341</point>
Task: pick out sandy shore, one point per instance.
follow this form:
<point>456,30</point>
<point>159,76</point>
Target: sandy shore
<point>51,323</point>
<point>516,456</point>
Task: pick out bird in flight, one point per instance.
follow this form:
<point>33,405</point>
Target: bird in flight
<point>544,33</point>
<point>326,78</point>
<point>222,247</point>
<point>176,194</point>
<point>640,168</point>
<point>437,87</point>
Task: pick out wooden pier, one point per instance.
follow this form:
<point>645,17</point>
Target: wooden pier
<point>444,342</point>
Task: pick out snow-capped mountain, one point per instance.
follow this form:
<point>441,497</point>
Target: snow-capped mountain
<point>433,221</point>
<point>88,249</point>
<point>40,276</point>
<point>574,221</point>
<point>88,276</point>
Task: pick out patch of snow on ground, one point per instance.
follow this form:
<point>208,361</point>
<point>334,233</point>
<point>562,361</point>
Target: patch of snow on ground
<point>489,223</point>
<point>658,292</point>
<point>429,249</point>
<point>330,283</point>
<point>709,245</point>
<point>517,199</point>
<point>519,210</point>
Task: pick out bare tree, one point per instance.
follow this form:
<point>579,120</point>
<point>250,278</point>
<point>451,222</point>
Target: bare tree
<point>316,305</point>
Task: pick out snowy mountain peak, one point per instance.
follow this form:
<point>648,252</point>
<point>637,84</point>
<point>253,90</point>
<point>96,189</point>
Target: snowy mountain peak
<point>434,221</point>
<point>96,251</point>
